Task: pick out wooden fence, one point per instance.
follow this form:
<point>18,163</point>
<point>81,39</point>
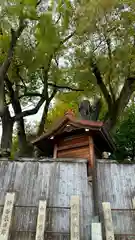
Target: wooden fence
<point>56,182</point>
<point>7,215</point>
<point>96,227</point>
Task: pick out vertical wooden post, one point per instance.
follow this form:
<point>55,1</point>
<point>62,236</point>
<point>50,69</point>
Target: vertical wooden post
<point>41,220</point>
<point>133,202</point>
<point>55,151</point>
<point>75,221</point>
<point>96,231</point>
<point>7,216</point>
<point>91,152</point>
<point>108,221</point>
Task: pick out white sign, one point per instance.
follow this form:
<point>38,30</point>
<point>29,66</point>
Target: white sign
<point>75,223</point>
<point>7,216</point>
<point>41,220</point>
<point>96,231</point>
<point>108,221</point>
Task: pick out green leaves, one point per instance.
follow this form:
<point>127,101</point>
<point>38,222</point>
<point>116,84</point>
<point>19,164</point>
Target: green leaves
<point>60,107</point>
<point>65,9</point>
<point>125,135</point>
<point>46,34</point>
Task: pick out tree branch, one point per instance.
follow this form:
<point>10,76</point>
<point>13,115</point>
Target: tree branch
<point>65,87</point>
<point>14,97</point>
<point>16,104</point>
<point>108,42</point>
<point>40,102</point>
<point>59,17</point>
<point>120,103</point>
<point>45,73</point>
<point>65,40</point>
<point>14,37</point>
<point>53,94</point>
<point>100,83</point>
<point>38,3</point>
<point>6,64</point>
<point>126,92</point>
<point>20,77</point>
<point>45,78</point>
<point>31,111</point>
<point>30,94</point>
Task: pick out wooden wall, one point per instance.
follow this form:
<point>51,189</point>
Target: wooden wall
<point>75,147</point>
<point>116,184</point>
<point>47,180</point>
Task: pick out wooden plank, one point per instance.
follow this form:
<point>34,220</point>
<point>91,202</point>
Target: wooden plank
<point>41,221</point>
<point>72,146</point>
<point>7,216</point>
<point>96,231</point>
<point>108,221</point>
<point>81,152</point>
<point>75,222</point>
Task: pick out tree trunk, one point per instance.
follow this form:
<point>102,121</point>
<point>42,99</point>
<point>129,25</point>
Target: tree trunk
<point>118,106</point>
<point>7,131</point>
<point>115,106</point>
<point>43,119</point>
<point>111,118</point>
<point>24,147</point>
<point>1,93</point>
<point>110,124</point>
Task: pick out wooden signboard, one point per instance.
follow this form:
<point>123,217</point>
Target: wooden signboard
<point>41,220</point>
<point>108,221</point>
<point>7,216</point>
<point>96,231</point>
<point>75,223</point>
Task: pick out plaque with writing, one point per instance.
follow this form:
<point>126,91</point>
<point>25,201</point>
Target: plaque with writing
<point>41,220</point>
<point>75,223</point>
<point>7,216</point>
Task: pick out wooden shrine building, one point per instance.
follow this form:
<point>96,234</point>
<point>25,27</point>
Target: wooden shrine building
<point>75,138</point>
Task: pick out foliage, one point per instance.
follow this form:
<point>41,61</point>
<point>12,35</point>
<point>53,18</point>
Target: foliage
<point>104,55</point>
<point>34,38</point>
<point>60,107</point>
<point>64,46</point>
<point>125,135</point>
<point>69,100</point>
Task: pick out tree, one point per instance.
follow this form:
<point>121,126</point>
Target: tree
<point>34,61</point>
<point>14,19</point>
<point>106,46</point>
<point>125,135</point>
<point>48,51</point>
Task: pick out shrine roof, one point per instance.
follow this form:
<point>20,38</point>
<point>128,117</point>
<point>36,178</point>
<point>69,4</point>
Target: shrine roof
<point>69,120</point>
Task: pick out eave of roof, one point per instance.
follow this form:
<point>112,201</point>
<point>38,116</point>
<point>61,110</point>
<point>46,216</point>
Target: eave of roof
<point>71,120</point>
